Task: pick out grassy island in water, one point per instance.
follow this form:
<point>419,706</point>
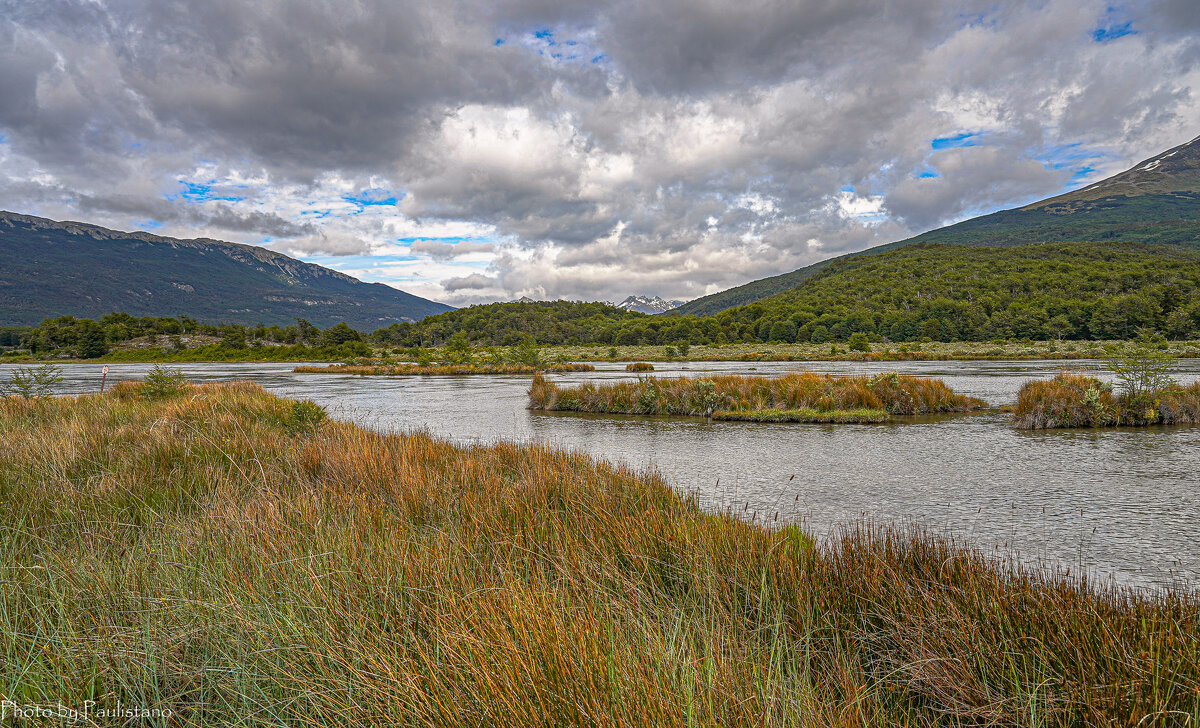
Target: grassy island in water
<point>792,397</point>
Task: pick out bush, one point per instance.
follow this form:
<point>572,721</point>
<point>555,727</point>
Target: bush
<point>639,366</point>
<point>1143,370</point>
<point>304,418</point>
<point>859,342</point>
<point>163,383</point>
<point>32,382</point>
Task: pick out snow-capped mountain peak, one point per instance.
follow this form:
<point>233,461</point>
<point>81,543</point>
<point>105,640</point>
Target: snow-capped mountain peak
<point>647,304</point>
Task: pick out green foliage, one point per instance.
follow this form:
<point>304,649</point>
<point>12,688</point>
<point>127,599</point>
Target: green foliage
<point>32,382</point>
<point>859,342</point>
<point>162,383</point>
<point>91,340</point>
<point>161,339</point>
<point>526,353</point>
<point>458,349</point>
<point>304,418</point>
<point>1143,370</point>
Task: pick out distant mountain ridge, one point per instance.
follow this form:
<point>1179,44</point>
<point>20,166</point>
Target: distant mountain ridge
<point>1157,201</point>
<point>647,304</point>
<point>56,268</point>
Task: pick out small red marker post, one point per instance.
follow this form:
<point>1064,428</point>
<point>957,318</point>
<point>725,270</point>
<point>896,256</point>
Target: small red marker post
<point>103,378</point>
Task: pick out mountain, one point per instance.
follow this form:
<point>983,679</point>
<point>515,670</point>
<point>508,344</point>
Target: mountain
<point>1156,202</point>
<point>58,268</point>
<point>645,304</point>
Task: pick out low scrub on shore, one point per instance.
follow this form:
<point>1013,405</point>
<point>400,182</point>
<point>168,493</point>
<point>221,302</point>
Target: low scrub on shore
<point>237,560</point>
<point>639,366</point>
<point>740,397</point>
<point>1079,400</point>
<point>406,370</point>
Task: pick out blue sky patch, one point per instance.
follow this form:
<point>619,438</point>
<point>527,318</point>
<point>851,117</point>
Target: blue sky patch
<point>1112,32</point>
<point>198,192</point>
<point>965,139</point>
<point>373,196</point>
<point>1071,157</point>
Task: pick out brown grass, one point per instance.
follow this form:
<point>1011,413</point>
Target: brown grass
<point>406,370</point>
<point>1078,400</point>
<point>639,366</point>
<point>201,554</point>
<point>896,394</point>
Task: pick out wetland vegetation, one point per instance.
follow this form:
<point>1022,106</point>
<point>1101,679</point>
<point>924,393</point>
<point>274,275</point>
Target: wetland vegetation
<point>224,553</point>
<point>792,397</point>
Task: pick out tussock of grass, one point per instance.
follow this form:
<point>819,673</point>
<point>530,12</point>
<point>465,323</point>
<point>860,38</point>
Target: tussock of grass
<point>639,366</point>
<point>1078,400</point>
<point>893,393</point>
<point>844,417</point>
<point>198,553</point>
<point>403,370</point>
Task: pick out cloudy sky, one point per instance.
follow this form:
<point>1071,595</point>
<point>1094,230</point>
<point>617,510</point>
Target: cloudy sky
<point>488,149</point>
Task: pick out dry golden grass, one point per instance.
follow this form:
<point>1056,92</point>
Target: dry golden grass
<point>1079,400</point>
<point>733,394</point>
<point>207,554</point>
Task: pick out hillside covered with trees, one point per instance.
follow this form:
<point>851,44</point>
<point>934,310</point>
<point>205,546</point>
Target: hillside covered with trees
<point>939,292</point>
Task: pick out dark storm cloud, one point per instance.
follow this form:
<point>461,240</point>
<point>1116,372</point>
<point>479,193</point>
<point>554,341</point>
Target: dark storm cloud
<point>674,147</point>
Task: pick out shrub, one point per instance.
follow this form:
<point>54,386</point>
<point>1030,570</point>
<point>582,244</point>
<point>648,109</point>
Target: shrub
<point>859,342</point>
<point>1143,370</point>
<point>304,418</point>
<point>32,382</point>
<point>163,383</point>
<point>639,366</point>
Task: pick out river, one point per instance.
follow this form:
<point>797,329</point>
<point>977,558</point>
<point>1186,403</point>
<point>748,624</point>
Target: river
<point>1120,504</point>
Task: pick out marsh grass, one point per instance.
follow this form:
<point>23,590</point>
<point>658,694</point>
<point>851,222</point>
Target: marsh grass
<point>639,366</point>
<point>403,370</point>
<point>736,396</point>
<point>199,553</point>
<point>1079,400</point>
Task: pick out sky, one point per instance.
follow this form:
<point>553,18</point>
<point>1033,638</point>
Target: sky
<point>481,150</point>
